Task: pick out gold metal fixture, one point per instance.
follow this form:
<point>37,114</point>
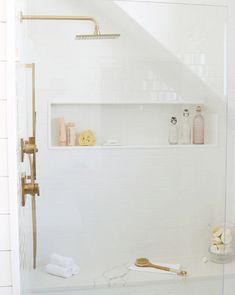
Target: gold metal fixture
<point>144,262</point>
<point>28,184</point>
<point>28,188</point>
<point>28,147</point>
<point>96,35</point>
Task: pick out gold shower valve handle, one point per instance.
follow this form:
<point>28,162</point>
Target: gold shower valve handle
<point>31,189</point>
<point>28,147</point>
<point>28,188</point>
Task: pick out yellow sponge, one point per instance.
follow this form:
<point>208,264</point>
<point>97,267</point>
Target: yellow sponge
<point>87,138</point>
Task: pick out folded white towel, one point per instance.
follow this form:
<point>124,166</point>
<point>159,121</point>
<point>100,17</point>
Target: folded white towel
<point>61,260</point>
<point>59,271</point>
<point>155,270</point>
<point>65,262</point>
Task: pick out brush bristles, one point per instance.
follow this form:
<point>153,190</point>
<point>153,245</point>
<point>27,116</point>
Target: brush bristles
<point>97,36</point>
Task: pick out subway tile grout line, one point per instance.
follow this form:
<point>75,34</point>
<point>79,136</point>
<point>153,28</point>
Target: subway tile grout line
<point>4,176</point>
<point>5,214</point>
<point>5,251</point>
<point>3,21</point>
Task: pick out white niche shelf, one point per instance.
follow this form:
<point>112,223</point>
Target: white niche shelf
<point>139,125</point>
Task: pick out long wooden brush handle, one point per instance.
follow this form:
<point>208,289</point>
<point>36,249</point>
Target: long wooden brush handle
<point>159,267</point>
<point>164,268</point>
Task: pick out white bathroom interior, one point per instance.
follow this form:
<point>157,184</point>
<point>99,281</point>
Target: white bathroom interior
<point>131,194</point>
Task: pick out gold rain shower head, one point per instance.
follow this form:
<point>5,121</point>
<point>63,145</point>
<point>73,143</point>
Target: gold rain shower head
<point>95,36</point>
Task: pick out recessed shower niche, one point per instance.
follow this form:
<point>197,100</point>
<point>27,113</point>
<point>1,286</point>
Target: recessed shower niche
<point>127,124</point>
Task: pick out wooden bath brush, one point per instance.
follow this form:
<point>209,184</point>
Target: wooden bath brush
<point>144,262</point>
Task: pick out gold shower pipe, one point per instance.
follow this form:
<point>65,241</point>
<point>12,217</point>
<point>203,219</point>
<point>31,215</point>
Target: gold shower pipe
<point>28,183</point>
<point>62,17</point>
<point>32,67</point>
<point>29,146</point>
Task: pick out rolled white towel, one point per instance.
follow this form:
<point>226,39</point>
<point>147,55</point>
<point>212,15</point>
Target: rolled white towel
<point>65,262</point>
<point>59,271</point>
<point>60,260</point>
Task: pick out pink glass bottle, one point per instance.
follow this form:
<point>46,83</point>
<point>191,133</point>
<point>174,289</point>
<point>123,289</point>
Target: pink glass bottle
<point>198,127</point>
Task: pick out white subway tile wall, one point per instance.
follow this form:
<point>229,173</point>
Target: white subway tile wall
<point>2,10</point>
<point>3,118</point>
<point>3,82</point>
<point>4,233</point>
<point>6,291</point>
<point>3,158</point>
<point>5,247</point>
<point>4,202</point>
<point>113,79</point>
<point>2,41</point>
<point>5,269</point>
<point>137,191</point>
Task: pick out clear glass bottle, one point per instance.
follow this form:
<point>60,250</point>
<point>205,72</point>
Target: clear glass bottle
<point>185,134</point>
<point>198,127</point>
<point>173,131</point>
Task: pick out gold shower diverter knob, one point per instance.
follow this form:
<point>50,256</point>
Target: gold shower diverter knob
<point>28,147</point>
<point>28,188</point>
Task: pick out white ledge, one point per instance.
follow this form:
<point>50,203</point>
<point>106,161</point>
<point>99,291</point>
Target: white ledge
<point>140,147</point>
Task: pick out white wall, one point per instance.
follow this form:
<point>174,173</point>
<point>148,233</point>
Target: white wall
<point>5,245</point>
<point>231,130</point>
<point>92,193</point>
<point>127,203</point>
<point>9,270</point>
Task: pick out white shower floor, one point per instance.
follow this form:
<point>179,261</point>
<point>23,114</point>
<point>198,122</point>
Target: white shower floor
<point>120,280</point>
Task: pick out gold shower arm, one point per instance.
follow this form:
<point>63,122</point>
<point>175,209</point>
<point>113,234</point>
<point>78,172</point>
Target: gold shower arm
<point>62,17</point>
